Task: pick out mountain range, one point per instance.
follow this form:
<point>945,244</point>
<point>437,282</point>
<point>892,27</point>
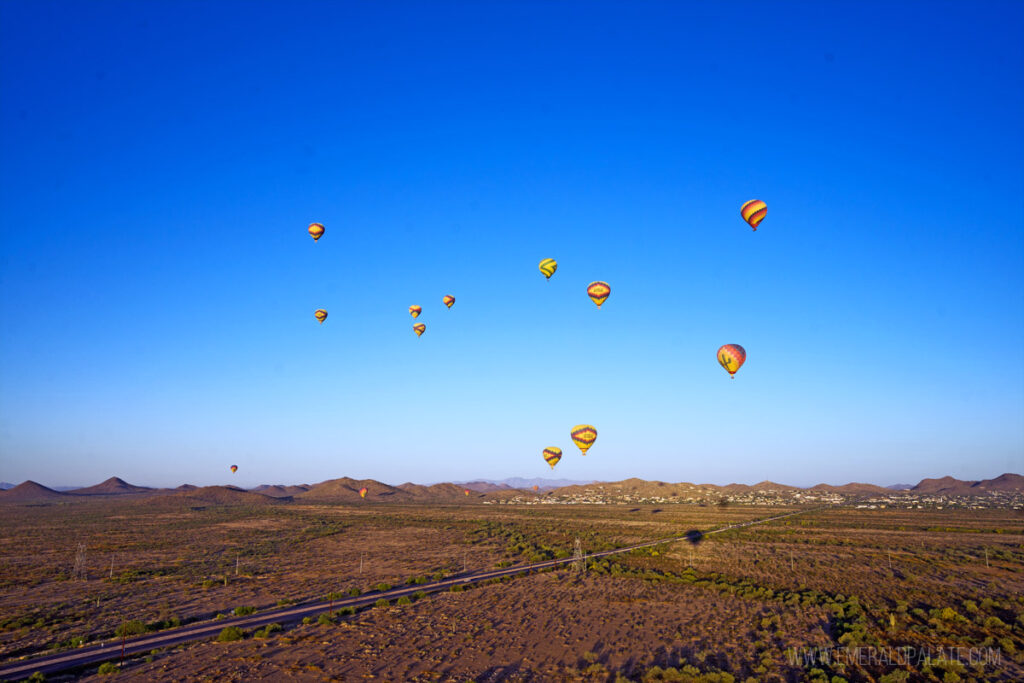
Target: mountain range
<point>346,489</point>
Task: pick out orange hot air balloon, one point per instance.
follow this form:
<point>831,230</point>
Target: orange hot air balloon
<point>598,291</point>
<point>753,212</point>
<point>234,468</point>
<point>448,300</point>
<point>536,488</point>
<point>732,357</point>
<point>415,311</point>
<point>419,329</point>
<point>362,492</point>
<point>320,314</point>
<point>466,491</point>
<point>316,231</point>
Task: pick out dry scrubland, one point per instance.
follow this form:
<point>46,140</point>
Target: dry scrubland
<point>734,605</point>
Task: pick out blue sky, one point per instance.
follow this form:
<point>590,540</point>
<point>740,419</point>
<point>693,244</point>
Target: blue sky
<point>162,160</point>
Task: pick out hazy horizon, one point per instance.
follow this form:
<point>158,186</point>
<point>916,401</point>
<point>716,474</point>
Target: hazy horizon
<point>157,284</point>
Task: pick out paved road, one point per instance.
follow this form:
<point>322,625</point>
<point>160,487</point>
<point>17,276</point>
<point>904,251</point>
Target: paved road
<point>94,654</point>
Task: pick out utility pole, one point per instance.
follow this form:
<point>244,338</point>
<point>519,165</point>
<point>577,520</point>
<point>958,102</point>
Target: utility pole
<point>360,563</point>
<point>237,558</point>
<point>986,556</point>
<point>791,561</point>
<point>465,556</point>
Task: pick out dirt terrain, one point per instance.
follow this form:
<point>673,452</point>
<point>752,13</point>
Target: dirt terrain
<point>746,604</point>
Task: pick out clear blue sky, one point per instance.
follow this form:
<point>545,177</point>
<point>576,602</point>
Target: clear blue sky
<point>162,160</point>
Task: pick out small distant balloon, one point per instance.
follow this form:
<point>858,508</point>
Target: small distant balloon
<point>362,492</point>
<point>419,329</point>
<point>552,456</point>
<point>753,212</point>
<point>234,468</point>
<point>732,357</point>
<point>415,311</point>
<point>466,491</point>
<point>321,315</point>
<point>584,437</point>
<point>536,488</point>
<point>548,266</point>
<point>598,292</point>
<point>448,300</point>
<point>316,231</point>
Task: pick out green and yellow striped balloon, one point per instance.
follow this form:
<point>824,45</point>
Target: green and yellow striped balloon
<point>548,266</point>
<point>552,456</point>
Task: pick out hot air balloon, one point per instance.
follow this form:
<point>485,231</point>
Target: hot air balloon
<point>732,357</point>
<point>415,311</point>
<point>584,437</point>
<point>552,456</point>
<point>466,491</point>
<point>548,266</point>
<point>234,468</point>
<point>362,492</point>
<point>316,231</point>
<point>419,328</point>
<point>536,488</point>
<point>753,212</point>
<point>448,300</point>
<point>598,291</point>
<point>320,314</point>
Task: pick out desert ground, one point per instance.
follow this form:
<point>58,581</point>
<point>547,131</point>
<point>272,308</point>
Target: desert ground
<point>830,595</point>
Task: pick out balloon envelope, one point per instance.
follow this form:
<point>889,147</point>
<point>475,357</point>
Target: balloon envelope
<point>753,212</point>
<point>321,315</point>
<point>584,437</point>
<point>548,266</point>
<point>552,456</point>
<point>732,357</point>
<point>362,492</point>
<point>234,468</point>
<point>316,231</point>
<point>419,329</point>
<point>448,300</point>
<point>598,292</point>
<point>415,311</point>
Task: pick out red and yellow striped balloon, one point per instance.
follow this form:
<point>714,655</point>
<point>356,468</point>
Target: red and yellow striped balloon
<point>732,357</point>
<point>552,456</point>
<point>584,437</point>
<point>320,314</point>
<point>415,311</point>
<point>598,292</point>
<point>316,231</point>
<point>419,329</point>
<point>753,212</point>
<point>362,492</point>
<point>448,300</point>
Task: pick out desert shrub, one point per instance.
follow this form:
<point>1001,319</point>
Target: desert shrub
<point>404,600</point>
<point>307,620</point>
<point>267,630</point>
<point>344,611</point>
<point>383,602</point>
<point>325,619</point>
<point>243,611</point>
<point>107,668</point>
<point>994,623</point>
<point>382,586</point>
<point>284,602</point>
<point>37,677</point>
<point>419,595</point>
<point>230,634</point>
<point>355,592</point>
<point>130,628</point>
<point>209,583</point>
<point>895,677</point>
<point>457,588</point>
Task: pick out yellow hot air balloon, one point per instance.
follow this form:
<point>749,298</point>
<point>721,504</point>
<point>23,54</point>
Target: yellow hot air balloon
<point>466,491</point>
<point>419,328</point>
<point>316,231</point>
<point>732,357</point>
<point>362,492</point>
<point>548,266</point>
<point>552,456</point>
<point>753,212</point>
<point>234,468</point>
<point>320,314</point>
<point>584,437</point>
<point>415,311</point>
<point>598,291</point>
<point>448,300</point>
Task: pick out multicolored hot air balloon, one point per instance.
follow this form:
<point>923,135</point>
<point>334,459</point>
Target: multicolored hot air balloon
<point>316,231</point>
<point>234,468</point>
<point>753,212</point>
<point>584,437</point>
<point>362,492</point>
<point>548,266</point>
<point>732,357</point>
<point>419,329</point>
<point>448,300</point>
<point>552,456</point>
<point>415,311</point>
<point>320,314</point>
<point>466,491</point>
<point>598,291</point>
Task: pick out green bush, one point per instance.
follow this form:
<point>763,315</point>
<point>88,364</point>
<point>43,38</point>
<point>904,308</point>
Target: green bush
<point>457,588</point>
<point>344,611</point>
<point>37,677</point>
<point>404,600</point>
<point>267,630</point>
<point>230,634</point>
<point>108,668</point>
<point>325,619</point>
<point>419,595</point>
<point>383,602</point>
<point>355,592</point>
<point>243,611</point>
<point>382,586</point>
<point>307,620</point>
<point>130,628</point>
